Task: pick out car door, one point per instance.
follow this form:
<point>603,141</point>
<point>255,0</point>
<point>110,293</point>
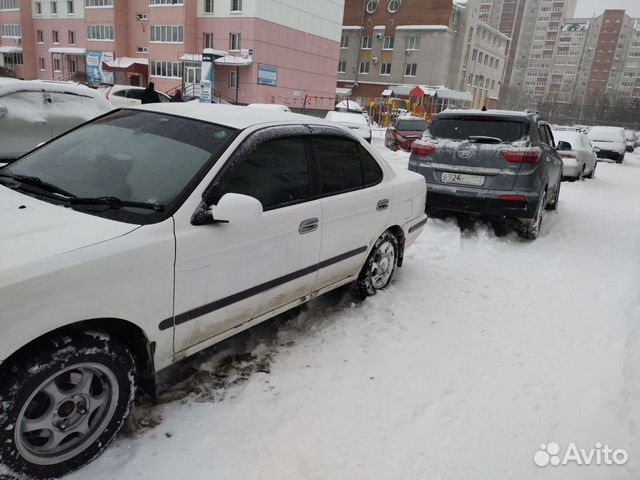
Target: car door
<point>226,273</point>
<point>553,162</point>
<point>355,205</point>
<point>23,123</point>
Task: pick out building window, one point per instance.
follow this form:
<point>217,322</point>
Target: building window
<point>142,50</point>
<point>236,5</point>
<point>385,69</point>
<point>413,42</point>
<point>100,32</point>
<point>98,3</point>
<point>394,6</point>
<point>72,37</point>
<point>388,42</point>
<point>364,68</point>
<point>166,33</point>
<point>56,65</point>
<point>371,6</point>
<point>13,59</point>
<point>10,5</point>
<point>366,43</point>
<point>71,9</point>
<point>234,41</point>
<point>342,66</point>
<point>496,64</point>
<point>344,41</point>
<point>54,8</point>
<point>233,80</point>
<point>208,6</point>
<point>73,65</point>
<point>40,36</point>
<point>410,69</point>
<point>166,2</point>
<point>55,37</point>
<point>41,63</point>
<point>207,40</point>
<point>38,8</point>
<point>474,55</point>
<point>12,31</point>
<point>165,69</point>
<point>480,55</point>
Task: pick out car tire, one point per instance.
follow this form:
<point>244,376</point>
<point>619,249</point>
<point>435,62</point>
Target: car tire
<point>377,272</point>
<point>556,198</point>
<point>531,232</point>
<point>592,173</point>
<point>620,158</point>
<point>64,401</point>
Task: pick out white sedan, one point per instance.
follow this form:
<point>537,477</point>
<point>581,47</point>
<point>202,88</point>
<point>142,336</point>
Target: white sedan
<point>579,158</point>
<point>156,231</point>
<point>352,120</point>
<point>33,112</point>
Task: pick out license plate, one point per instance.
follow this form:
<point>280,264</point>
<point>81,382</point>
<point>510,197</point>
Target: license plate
<point>462,179</point>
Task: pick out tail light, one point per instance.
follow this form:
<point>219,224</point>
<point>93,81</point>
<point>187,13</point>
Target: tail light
<point>422,149</point>
<point>522,154</point>
<point>513,198</point>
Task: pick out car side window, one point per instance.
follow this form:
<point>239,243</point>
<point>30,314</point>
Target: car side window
<point>276,173</point>
<point>344,165</point>
<point>120,93</point>
<point>135,94</point>
<point>543,134</point>
<point>550,140</point>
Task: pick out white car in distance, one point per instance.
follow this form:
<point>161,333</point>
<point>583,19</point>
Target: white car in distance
<point>610,141</point>
<point>33,112</point>
<point>156,231</point>
<point>355,121</point>
<point>578,155</point>
<point>127,95</point>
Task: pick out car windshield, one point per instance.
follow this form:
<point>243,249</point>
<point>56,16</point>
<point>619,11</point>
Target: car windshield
<point>416,125</point>
<point>462,128</point>
<point>134,156</point>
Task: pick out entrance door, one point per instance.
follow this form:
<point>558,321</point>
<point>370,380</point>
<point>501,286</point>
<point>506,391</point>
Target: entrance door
<point>192,81</point>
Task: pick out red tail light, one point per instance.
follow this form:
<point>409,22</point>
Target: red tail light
<point>422,149</point>
<point>522,154</point>
<point>513,198</point>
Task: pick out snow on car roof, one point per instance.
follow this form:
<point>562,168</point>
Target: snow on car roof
<point>11,86</point>
<point>229,115</point>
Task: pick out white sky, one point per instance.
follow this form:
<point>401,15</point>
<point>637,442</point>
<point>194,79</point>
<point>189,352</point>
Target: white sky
<point>586,8</point>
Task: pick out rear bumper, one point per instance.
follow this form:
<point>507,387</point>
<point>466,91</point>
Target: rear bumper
<point>482,202</point>
<point>610,154</point>
<point>630,148</point>
<point>413,228</point>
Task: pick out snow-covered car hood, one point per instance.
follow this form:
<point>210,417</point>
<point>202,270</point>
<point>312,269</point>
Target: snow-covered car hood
<point>33,230</point>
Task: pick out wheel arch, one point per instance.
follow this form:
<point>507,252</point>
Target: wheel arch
<point>397,232</point>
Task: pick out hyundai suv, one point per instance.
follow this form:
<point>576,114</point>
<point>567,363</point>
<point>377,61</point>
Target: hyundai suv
<point>497,164</point>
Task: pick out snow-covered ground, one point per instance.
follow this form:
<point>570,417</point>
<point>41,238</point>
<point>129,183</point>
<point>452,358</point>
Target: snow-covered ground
<point>483,348</point>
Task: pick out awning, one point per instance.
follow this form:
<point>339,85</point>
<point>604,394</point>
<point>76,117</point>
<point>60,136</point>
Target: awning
<point>233,61</point>
<point>343,91</point>
<point>224,58</point>
<point>402,90</point>
<point>422,91</point>
<point>126,62</point>
<point>67,50</point>
<point>387,93</point>
<point>348,105</point>
<point>10,49</point>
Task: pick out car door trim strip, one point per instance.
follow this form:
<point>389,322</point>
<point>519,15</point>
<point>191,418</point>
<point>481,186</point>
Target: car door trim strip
<point>237,297</point>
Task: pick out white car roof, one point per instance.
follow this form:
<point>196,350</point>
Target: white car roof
<point>7,87</point>
<point>230,115</point>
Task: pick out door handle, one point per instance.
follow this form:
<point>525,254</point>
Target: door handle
<point>382,204</point>
<point>309,225</point>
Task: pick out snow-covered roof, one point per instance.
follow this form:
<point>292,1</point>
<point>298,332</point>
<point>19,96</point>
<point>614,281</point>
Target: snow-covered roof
<point>575,26</point>
<point>125,62</point>
<point>68,50</point>
<point>7,49</point>
<point>351,27</point>
<point>42,85</point>
<point>343,91</point>
<point>230,115</point>
<point>495,31</point>
<point>224,58</point>
<point>348,105</point>
<point>435,28</point>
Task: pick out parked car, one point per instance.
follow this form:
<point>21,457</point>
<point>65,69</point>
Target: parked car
<point>33,112</point>
<point>611,142</point>
<point>497,164</point>
<point>404,131</point>
<point>270,106</point>
<point>126,95</point>
<point>630,138</point>
<point>353,121</point>
<point>156,231</point>
<point>578,155</point>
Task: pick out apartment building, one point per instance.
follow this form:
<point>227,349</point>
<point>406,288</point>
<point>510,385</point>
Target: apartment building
<point>271,51</point>
<point>396,45</point>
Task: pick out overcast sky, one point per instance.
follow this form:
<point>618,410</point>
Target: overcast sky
<point>586,8</point>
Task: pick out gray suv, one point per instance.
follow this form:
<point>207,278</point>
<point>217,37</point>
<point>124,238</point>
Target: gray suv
<point>498,164</point>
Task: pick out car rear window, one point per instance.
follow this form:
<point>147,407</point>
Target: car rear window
<point>464,127</point>
<point>412,125</point>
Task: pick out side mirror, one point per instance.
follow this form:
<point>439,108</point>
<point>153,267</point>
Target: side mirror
<point>596,149</point>
<point>4,111</point>
<point>563,146</point>
<point>232,208</point>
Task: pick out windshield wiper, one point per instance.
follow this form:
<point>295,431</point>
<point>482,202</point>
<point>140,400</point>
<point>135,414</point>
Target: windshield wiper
<point>39,183</point>
<point>115,203</point>
<point>483,139</point>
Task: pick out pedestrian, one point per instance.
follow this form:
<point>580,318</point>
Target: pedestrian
<point>177,97</point>
<point>150,95</point>
<point>484,108</point>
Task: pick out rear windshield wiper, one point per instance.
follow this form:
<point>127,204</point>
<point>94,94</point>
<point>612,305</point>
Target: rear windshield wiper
<point>483,139</point>
<point>37,182</point>
<point>115,203</point>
